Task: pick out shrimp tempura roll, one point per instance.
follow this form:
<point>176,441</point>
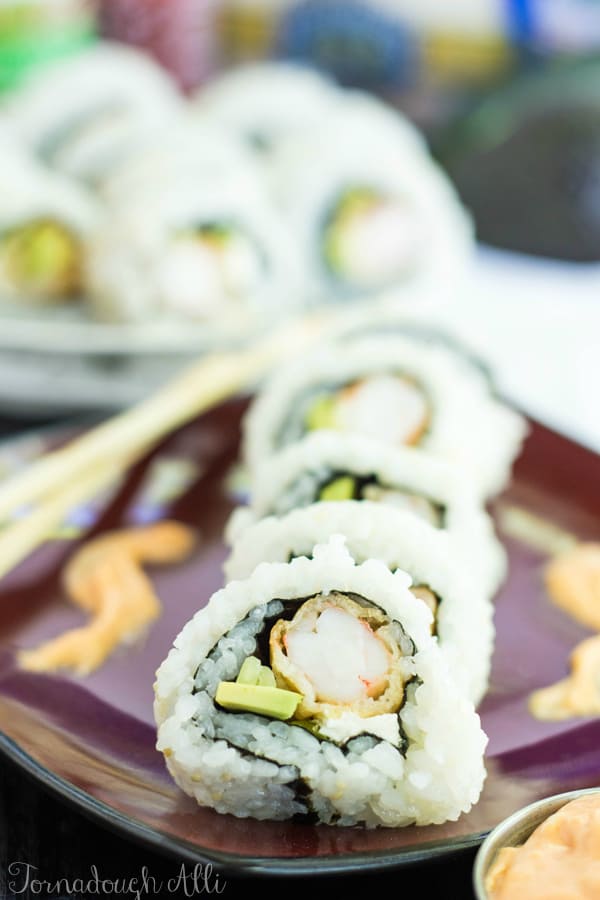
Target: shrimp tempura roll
<point>205,249</point>
<point>371,210</point>
<point>314,690</point>
<point>401,389</point>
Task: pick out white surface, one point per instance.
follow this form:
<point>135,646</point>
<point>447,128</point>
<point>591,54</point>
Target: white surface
<point>537,324</point>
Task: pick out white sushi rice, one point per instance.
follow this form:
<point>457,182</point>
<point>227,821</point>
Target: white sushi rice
<point>85,112</point>
<point>30,190</point>
<point>470,427</point>
<point>294,476</point>
<point>264,102</point>
<point>359,110</point>
<point>465,623</point>
<point>249,765</point>
<point>192,148</point>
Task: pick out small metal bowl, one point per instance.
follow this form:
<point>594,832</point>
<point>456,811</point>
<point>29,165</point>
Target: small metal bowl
<point>514,831</point>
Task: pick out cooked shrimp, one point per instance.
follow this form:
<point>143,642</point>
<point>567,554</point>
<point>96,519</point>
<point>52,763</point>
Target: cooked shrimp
<point>359,406</point>
<point>339,655</point>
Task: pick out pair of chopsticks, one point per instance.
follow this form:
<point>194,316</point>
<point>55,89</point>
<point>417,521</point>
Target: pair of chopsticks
<point>58,482</point>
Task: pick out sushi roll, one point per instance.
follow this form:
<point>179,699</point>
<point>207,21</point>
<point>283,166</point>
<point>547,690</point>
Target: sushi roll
<point>443,578</point>
<point>371,210</point>
<point>327,466</point>
<point>400,389</point>
<point>263,102</point>
<point>45,223</point>
<point>84,113</point>
<point>204,249</point>
<point>315,691</point>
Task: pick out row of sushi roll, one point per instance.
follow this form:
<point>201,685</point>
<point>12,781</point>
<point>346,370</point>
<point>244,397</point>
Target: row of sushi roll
<point>270,189</point>
<point>337,675</point>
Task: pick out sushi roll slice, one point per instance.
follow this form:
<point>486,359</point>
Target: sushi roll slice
<point>443,578</point>
<point>315,691</point>
<point>263,102</point>
<point>203,249</point>
<point>399,389</point>
<point>371,210</point>
<point>84,113</point>
<point>327,466</point>
<point>45,223</point>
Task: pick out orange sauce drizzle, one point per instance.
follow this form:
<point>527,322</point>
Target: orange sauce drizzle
<point>105,579</point>
<point>573,583</point>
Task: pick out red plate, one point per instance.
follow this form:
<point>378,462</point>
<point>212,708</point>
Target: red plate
<point>92,740</point>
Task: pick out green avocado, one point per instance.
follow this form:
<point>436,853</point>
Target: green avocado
<point>262,699</point>
<point>42,256</point>
<point>321,414</point>
<point>49,252</point>
<point>340,489</point>
<point>266,677</point>
<point>252,672</point>
<point>249,671</point>
<point>353,204</point>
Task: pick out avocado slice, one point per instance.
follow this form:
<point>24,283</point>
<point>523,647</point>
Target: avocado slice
<point>321,414</point>
<point>249,671</point>
<point>353,204</point>
<point>252,672</point>
<point>266,677</point>
<point>262,699</point>
<point>341,488</point>
<point>43,257</point>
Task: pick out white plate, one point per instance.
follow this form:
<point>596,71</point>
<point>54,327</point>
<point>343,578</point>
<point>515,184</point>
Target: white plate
<point>68,330</point>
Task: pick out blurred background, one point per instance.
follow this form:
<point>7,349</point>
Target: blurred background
<point>124,184</point>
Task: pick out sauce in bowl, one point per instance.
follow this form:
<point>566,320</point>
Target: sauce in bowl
<point>560,860</point>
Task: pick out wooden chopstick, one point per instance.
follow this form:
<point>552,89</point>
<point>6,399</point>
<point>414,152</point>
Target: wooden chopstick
<point>28,532</point>
<point>68,476</point>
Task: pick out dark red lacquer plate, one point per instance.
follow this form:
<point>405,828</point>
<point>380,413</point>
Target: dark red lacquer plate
<point>92,740</point>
